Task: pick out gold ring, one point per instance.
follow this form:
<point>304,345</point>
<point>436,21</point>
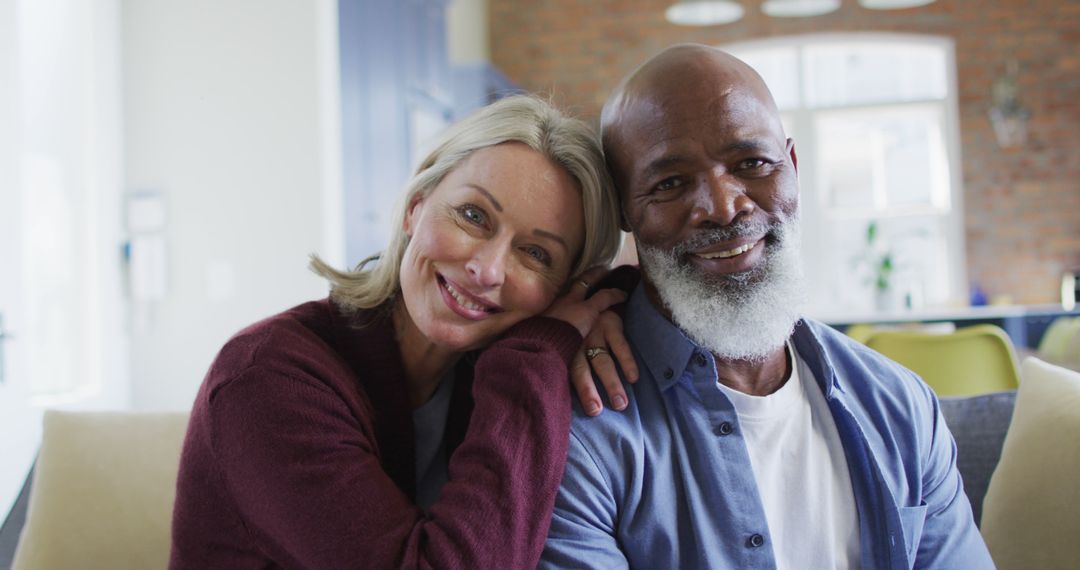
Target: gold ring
<point>591,353</point>
<point>584,284</point>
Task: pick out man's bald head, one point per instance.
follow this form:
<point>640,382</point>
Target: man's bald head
<point>674,79</point>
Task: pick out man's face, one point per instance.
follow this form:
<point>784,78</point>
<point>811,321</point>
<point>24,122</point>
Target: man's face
<point>707,175</point>
<point>709,189</point>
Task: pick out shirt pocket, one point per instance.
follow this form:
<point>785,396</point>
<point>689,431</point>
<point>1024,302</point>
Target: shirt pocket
<point>912,519</point>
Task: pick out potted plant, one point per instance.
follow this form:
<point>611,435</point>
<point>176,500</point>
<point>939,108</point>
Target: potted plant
<point>878,263</point>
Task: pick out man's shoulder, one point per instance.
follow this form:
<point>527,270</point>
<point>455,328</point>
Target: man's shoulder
<point>852,364</point>
<point>615,435</point>
<point>610,422</point>
<point>870,384</point>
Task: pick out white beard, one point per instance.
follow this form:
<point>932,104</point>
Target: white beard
<point>738,317</point>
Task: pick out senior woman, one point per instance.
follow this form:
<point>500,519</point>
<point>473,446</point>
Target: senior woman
<point>367,429</point>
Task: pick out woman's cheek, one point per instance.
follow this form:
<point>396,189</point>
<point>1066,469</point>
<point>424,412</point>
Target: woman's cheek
<point>539,295</point>
<point>443,241</point>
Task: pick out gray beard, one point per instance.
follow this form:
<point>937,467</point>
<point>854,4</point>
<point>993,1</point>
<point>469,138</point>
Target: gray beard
<point>745,316</point>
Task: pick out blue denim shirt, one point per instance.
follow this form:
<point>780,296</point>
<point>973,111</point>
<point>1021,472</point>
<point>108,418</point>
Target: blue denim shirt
<point>667,483</point>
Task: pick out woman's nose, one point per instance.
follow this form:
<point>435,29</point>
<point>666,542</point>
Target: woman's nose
<point>487,266</point>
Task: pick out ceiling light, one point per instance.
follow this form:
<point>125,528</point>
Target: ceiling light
<point>798,8</point>
<point>893,4</point>
<point>704,12</point>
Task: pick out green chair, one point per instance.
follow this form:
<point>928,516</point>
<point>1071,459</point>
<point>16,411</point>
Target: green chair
<point>1060,340</point>
<point>973,360</point>
<point>861,331</point>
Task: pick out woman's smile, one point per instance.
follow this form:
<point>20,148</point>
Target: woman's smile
<point>463,303</point>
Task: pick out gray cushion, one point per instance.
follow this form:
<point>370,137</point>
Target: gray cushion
<point>13,524</point>
<point>978,423</point>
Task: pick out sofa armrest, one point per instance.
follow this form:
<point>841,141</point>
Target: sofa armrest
<point>978,424</point>
<point>13,525</point>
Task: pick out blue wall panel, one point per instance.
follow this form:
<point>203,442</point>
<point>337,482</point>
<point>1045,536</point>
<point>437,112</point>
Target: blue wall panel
<point>393,66</point>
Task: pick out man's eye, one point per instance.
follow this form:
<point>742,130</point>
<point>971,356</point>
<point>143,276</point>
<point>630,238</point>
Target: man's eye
<point>538,253</point>
<point>669,184</point>
<point>753,164</point>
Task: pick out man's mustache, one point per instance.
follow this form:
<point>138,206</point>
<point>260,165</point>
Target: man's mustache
<point>708,237</point>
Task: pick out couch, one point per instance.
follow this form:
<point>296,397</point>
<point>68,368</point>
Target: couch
<point>104,485</point>
<point>101,493</point>
<point>978,424</point>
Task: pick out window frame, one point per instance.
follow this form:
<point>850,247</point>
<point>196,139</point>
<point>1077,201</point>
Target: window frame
<point>817,215</point>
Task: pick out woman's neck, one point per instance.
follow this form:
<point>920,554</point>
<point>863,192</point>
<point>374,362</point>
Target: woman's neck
<point>425,362</point>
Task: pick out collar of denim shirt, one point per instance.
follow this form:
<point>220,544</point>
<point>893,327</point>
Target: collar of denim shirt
<point>662,347</point>
<point>666,351</point>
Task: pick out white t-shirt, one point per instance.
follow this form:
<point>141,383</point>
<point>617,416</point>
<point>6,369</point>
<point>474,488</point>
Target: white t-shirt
<point>802,474</point>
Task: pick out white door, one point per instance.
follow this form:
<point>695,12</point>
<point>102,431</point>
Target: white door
<point>60,232</point>
<point>19,420</point>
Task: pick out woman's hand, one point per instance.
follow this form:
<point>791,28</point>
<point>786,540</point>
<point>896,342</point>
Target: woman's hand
<point>604,341</point>
<point>603,347</point>
<point>580,312</point>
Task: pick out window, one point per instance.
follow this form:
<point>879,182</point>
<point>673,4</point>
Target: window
<point>874,123</point>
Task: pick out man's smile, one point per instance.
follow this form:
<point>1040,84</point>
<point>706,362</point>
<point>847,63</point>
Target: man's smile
<point>727,253</point>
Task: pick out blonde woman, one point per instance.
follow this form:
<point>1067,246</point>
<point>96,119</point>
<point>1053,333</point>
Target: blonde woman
<point>419,416</point>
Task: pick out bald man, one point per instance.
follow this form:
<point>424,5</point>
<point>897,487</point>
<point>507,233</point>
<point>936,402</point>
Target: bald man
<point>754,438</point>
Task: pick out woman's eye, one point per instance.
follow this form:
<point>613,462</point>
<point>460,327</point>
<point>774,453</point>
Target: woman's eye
<point>538,253</point>
<point>473,214</point>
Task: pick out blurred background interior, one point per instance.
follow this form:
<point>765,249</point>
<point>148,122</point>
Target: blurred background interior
<point>166,167</point>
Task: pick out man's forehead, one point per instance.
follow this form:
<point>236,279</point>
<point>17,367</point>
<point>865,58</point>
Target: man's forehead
<point>691,67</point>
<point>683,96</point>
<point>718,104</point>
<point>650,123</point>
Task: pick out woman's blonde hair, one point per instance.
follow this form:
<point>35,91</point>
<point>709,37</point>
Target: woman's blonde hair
<point>566,141</point>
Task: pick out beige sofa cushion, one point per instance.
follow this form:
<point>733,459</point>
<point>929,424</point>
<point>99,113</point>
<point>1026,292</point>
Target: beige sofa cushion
<point>103,491</point>
<point>1031,515</point>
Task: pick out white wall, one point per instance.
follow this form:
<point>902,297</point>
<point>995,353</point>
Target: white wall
<point>229,115</point>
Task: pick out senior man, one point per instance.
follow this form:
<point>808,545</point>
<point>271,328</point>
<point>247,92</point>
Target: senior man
<point>754,438</point>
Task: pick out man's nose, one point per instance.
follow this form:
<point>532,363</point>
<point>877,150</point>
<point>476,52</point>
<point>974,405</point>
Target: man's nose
<point>720,199</point>
<point>487,266</point>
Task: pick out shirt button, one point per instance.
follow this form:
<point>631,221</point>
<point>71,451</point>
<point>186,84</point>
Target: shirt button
<point>756,541</point>
<point>724,429</point>
<point>669,373</point>
<point>701,360</point>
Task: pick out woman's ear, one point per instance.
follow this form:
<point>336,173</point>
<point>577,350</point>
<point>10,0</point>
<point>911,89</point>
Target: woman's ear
<point>413,210</point>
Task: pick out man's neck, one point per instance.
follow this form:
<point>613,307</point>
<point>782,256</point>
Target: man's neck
<point>756,378</point>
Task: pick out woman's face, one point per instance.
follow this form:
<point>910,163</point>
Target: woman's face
<point>491,245</point>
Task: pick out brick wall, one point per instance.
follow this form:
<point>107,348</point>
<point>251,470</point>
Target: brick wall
<point>1022,207</point>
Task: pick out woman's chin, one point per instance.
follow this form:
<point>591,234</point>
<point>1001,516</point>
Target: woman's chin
<point>467,337</point>
<point>457,338</point>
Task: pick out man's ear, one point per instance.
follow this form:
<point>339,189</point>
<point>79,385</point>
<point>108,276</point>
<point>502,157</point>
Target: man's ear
<point>412,210</point>
<point>791,151</point>
<point>622,221</point>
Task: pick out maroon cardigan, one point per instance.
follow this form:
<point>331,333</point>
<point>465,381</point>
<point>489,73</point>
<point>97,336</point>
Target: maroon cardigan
<point>299,452</point>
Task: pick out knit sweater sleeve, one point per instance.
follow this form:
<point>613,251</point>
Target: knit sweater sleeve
<point>306,478</point>
<point>505,474</point>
